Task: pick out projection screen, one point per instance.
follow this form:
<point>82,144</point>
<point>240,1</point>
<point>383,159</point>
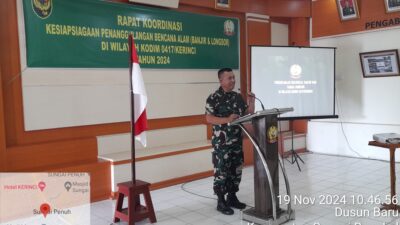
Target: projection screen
<point>298,77</point>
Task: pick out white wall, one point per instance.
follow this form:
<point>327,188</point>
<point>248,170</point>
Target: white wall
<point>168,138</point>
<point>365,105</point>
<point>55,98</point>
<point>166,168</point>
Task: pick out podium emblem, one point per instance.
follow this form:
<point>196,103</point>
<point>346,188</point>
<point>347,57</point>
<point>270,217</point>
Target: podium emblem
<point>272,134</point>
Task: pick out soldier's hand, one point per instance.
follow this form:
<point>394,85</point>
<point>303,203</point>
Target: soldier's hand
<point>232,117</point>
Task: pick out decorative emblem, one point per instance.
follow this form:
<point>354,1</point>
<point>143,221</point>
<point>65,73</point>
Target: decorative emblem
<point>229,28</point>
<point>272,134</point>
<point>42,8</point>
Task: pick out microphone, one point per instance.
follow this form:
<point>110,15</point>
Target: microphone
<point>262,105</point>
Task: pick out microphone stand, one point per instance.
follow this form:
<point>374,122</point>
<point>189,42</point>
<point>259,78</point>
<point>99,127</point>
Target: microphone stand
<point>252,95</point>
<point>294,154</point>
<point>262,105</point>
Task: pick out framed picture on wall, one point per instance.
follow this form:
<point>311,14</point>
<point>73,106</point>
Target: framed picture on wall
<point>392,5</point>
<point>380,63</point>
<point>347,9</point>
<point>223,4</point>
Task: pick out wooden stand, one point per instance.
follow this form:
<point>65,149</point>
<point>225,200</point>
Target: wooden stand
<point>135,211</point>
<point>392,149</point>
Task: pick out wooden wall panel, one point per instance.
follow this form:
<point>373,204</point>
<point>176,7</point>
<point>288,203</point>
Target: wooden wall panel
<point>243,56</point>
<point>155,124</point>
<point>289,8</point>
<point>2,130</point>
<point>51,154</point>
<point>9,59</point>
<point>209,131</point>
<point>255,6</point>
<point>299,32</point>
<point>180,180</point>
<point>283,20</point>
<point>286,8</point>
<point>248,152</point>
<point>258,33</point>
<point>300,126</point>
<point>326,21</point>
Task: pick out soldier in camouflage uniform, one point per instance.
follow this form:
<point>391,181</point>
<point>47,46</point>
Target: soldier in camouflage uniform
<point>223,107</point>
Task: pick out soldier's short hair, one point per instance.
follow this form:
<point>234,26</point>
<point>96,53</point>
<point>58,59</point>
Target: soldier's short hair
<point>222,71</point>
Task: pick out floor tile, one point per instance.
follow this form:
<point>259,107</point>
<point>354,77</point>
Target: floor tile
<point>322,176</point>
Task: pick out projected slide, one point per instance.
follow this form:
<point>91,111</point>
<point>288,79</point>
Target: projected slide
<point>302,78</point>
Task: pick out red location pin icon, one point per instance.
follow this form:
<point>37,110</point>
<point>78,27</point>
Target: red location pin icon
<point>45,209</point>
<point>42,185</point>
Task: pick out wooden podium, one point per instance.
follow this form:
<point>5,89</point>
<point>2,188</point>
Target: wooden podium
<point>266,167</point>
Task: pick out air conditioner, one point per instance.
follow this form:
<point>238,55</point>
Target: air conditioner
<point>163,3</point>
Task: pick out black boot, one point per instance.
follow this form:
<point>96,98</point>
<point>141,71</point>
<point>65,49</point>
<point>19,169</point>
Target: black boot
<point>233,201</point>
<point>222,207</point>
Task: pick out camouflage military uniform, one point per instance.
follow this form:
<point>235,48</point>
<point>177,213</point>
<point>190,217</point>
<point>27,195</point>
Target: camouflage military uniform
<point>227,156</point>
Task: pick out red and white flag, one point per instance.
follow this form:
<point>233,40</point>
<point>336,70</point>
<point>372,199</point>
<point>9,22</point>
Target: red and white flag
<point>140,98</point>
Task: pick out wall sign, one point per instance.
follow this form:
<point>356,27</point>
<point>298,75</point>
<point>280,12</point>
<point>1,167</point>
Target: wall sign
<point>94,34</point>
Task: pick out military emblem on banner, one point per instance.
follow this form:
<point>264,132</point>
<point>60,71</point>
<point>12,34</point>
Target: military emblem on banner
<point>229,28</point>
<point>272,134</point>
<point>42,8</point>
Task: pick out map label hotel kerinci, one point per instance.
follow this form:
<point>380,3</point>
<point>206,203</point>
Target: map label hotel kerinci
<point>44,198</point>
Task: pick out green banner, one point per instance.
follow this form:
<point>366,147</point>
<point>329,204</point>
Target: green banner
<point>94,34</point>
